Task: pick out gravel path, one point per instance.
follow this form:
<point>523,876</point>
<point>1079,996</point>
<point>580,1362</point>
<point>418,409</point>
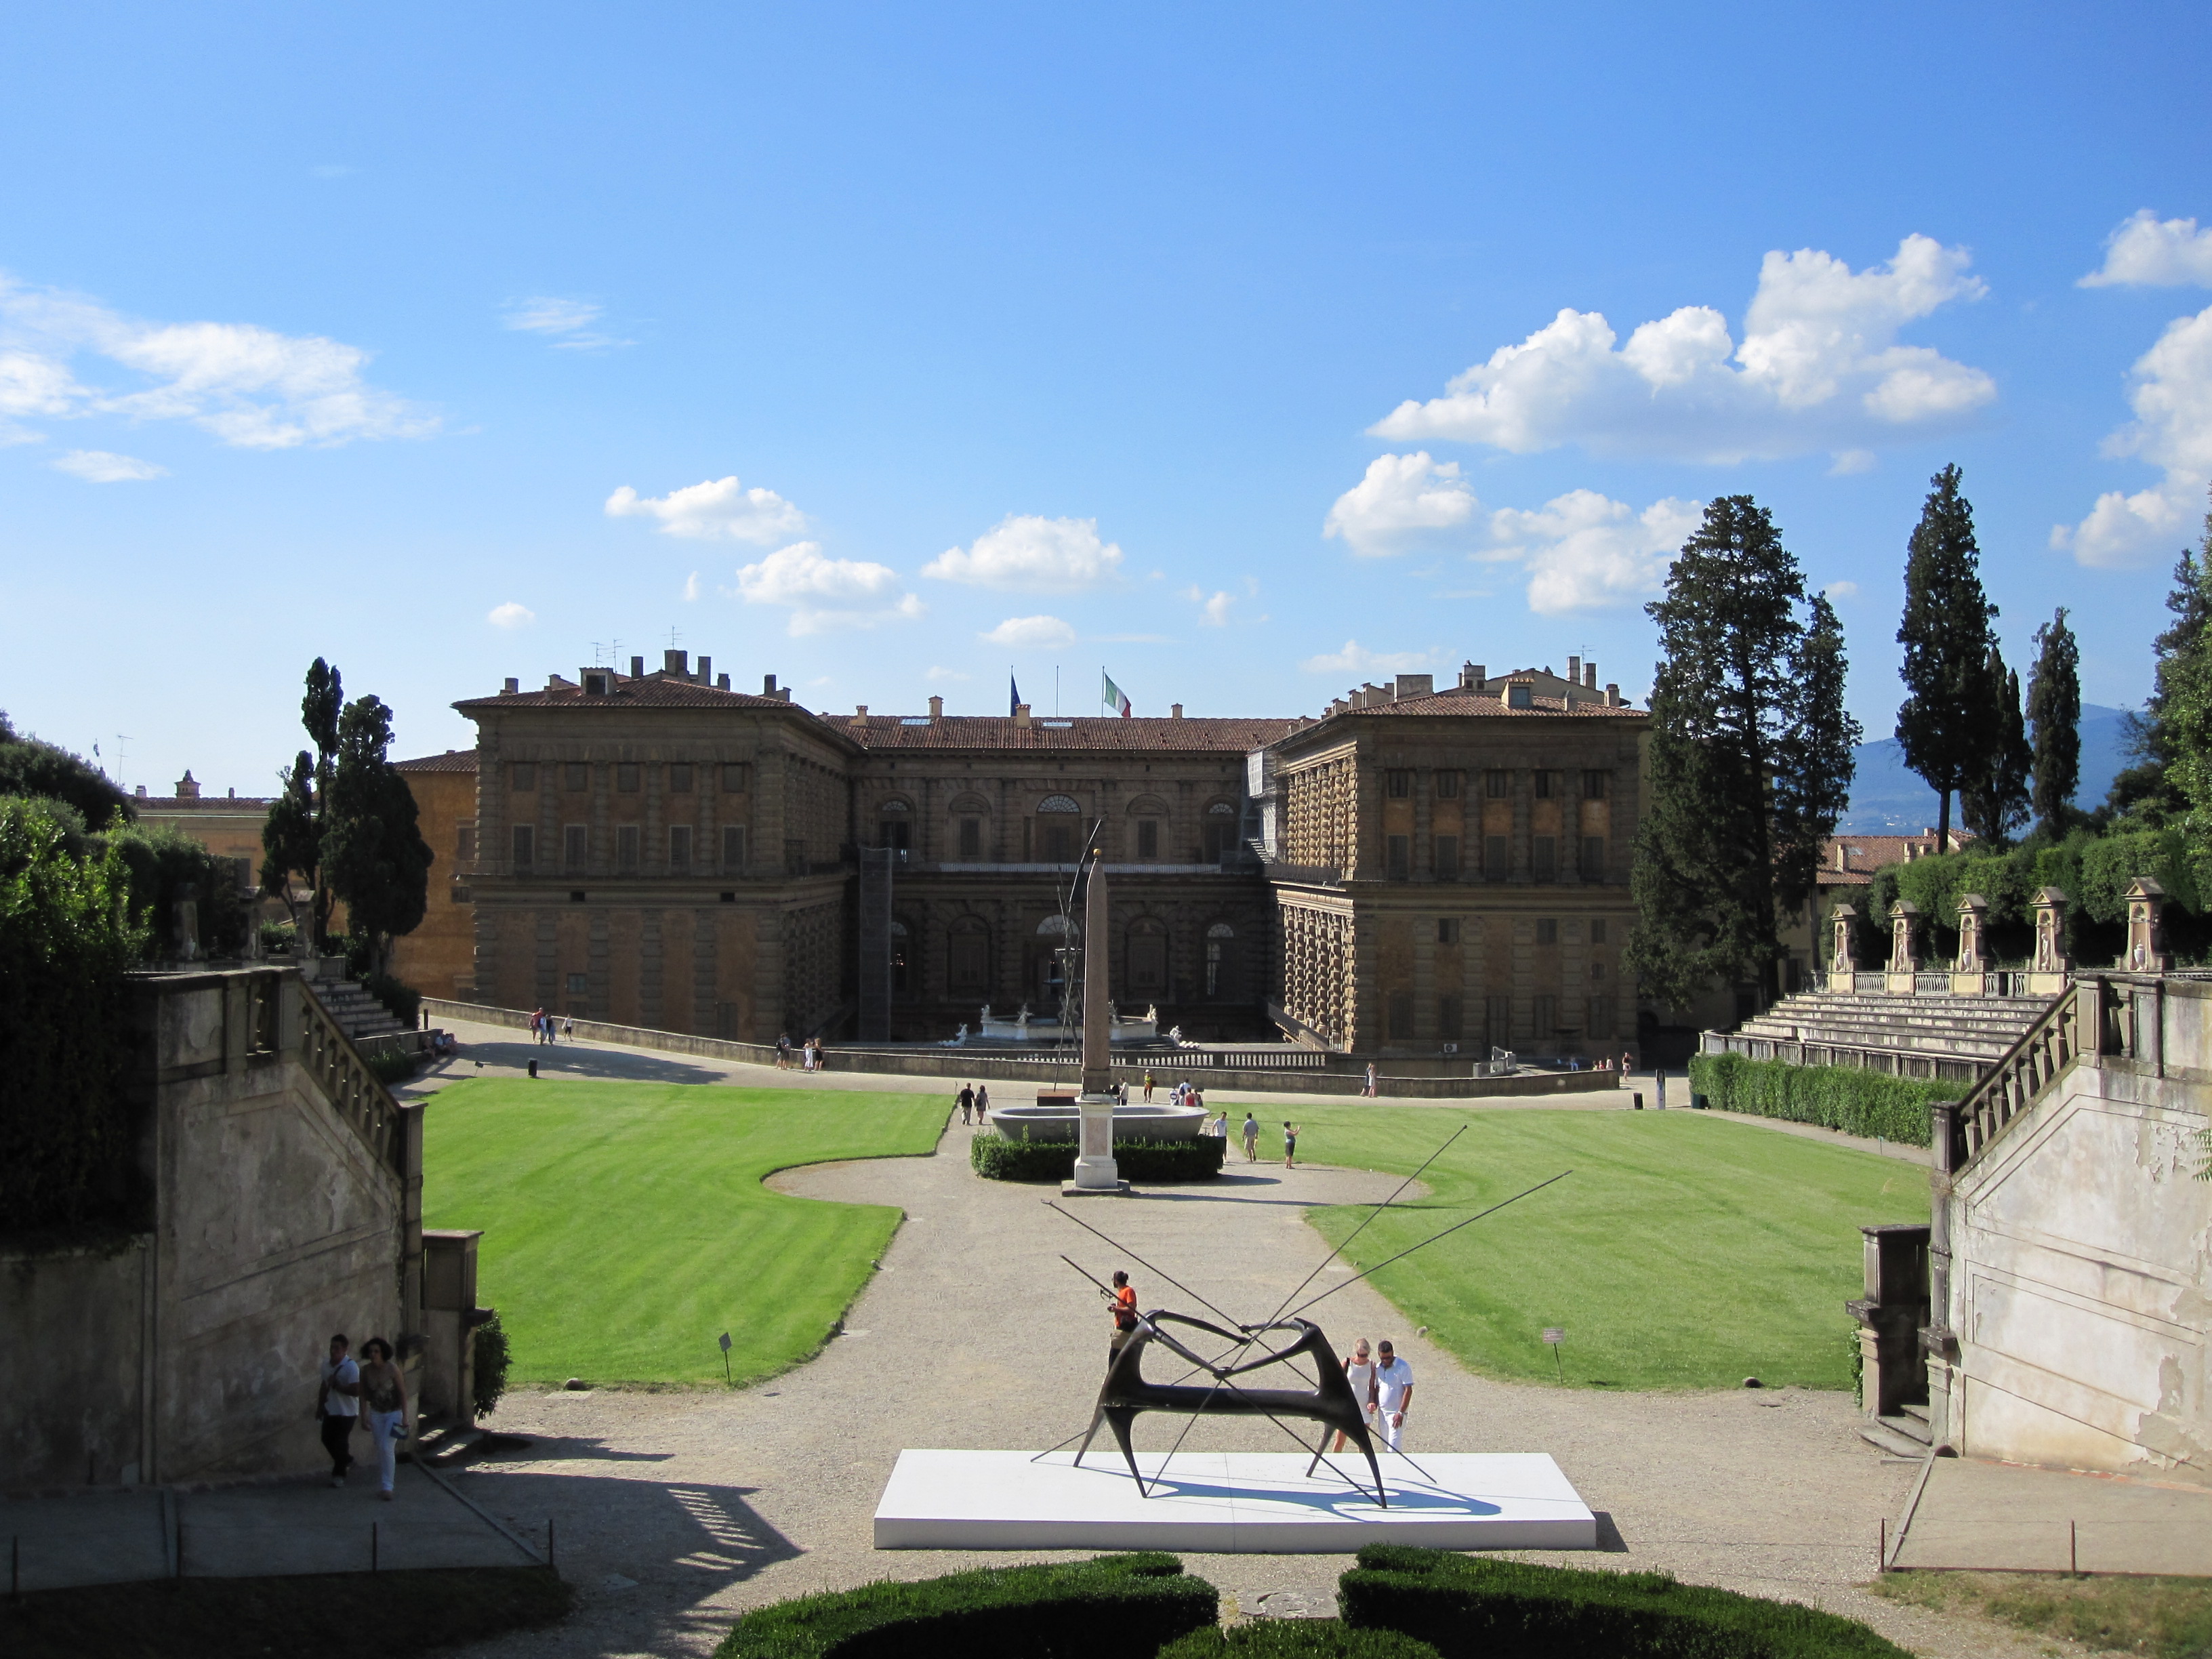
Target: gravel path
<point>677,1509</point>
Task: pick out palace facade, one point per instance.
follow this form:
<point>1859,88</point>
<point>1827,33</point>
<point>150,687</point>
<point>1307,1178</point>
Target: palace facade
<point>1415,872</point>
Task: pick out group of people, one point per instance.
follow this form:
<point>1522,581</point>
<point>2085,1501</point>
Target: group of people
<point>1251,1132</point>
<point>373,1387</point>
<point>811,1057</point>
<point>975,1103</point>
<point>543,1027</point>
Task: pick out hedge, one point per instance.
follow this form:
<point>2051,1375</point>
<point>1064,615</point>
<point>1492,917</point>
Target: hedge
<point>1113,1606</point>
<point>996,1159</point>
<point>1515,1610</point>
<point>1297,1638</point>
<point>1857,1103</point>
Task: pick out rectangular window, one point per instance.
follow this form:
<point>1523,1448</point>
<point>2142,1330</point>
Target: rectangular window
<point>1447,858</point>
<point>1400,853</point>
<point>1497,858</point>
<point>895,833</point>
<point>1399,784</point>
<point>1593,857</point>
<point>679,848</point>
<point>1597,931</point>
<point>1059,843</point>
<point>464,842</point>
<point>1498,786</point>
<point>625,848</point>
<point>1544,1017</point>
<point>1541,782</point>
<point>578,845</point>
<point>679,778</point>
<point>1499,1022</point>
<point>1593,786</point>
<point>525,846</point>
<point>626,773</point>
<point>1447,785</point>
<point>525,775</point>
<point>1448,1020</point>
<point>1148,838</point>
<point>968,960</point>
<point>1544,858</point>
<point>576,776</point>
<point>1601,1019</point>
<point>733,848</point>
<point>734,780</point>
<point>461,895</point>
<point>971,838</point>
<point>1401,1016</point>
<point>1447,930</point>
<point>578,985</point>
<point>1547,930</point>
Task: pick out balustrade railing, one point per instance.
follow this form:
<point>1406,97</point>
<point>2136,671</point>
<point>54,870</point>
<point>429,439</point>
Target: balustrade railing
<point>354,1091</point>
<point>2071,1026</point>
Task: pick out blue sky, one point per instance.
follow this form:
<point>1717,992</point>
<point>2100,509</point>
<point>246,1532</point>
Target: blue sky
<point>883,348</point>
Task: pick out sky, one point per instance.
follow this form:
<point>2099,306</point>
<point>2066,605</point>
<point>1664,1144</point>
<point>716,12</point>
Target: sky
<point>1244,353</point>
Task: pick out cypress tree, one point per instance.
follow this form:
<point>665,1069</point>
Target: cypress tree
<point>377,859</point>
<point>1947,637</point>
<point>2054,709</point>
<point>292,835</point>
<point>1993,797</point>
<point>1749,758</point>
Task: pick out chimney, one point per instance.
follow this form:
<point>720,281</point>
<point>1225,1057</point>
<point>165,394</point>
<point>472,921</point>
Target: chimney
<point>860,715</point>
<point>706,669</point>
<point>637,668</point>
<point>186,788</point>
<point>768,685</point>
<point>552,682</point>
<point>721,682</point>
<point>1840,864</point>
<point>1174,711</point>
<point>141,792</point>
<point>1613,697</point>
<point>1470,677</point>
<point>1590,677</point>
<point>1021,714</point>
<point>1415,685</point>
<point>511,686</point>
<point>234,794</point>
<point>936,710</point>
<point>677,663</point>
<point>1574,670</point>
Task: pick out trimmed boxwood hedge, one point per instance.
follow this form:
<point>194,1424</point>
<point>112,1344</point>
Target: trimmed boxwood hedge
<point>1113,1606</point>
<point>1297,1638</point>
<point>997,1158</point>
<point>1842,1097</point>
<point>1473,1609</point>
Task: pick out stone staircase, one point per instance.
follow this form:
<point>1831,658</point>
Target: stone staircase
<point>1956,1037</point>
<point>1903,1433</point>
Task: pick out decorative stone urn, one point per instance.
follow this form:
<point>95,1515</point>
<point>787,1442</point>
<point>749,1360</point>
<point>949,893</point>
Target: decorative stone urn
<point>1970,968</point>
<point>1904,946</point>
<point>2146,952</point>
<point>2048,975</point>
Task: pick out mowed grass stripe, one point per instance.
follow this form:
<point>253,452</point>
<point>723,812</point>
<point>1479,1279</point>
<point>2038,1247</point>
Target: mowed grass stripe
<point>626,1227</point>
<point>1684,1252</point>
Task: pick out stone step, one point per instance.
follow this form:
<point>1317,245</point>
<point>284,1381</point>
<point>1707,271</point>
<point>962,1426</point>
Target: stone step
<point>1889,1440</point>
<point>1913,1428</point>
<point>1911,1410</point>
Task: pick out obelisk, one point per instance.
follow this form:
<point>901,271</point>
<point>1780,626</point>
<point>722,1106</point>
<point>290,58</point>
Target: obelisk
<point>1094,1163</point>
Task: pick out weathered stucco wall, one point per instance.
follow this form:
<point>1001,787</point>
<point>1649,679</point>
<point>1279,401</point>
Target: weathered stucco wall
<point>2081,1289</point>
<point>72,1366</point>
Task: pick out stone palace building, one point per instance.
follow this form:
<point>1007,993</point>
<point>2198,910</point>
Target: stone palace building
<point>1415,872</point>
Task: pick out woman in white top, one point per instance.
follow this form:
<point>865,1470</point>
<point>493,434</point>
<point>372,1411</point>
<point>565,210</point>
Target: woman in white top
<point>1359,1372</point>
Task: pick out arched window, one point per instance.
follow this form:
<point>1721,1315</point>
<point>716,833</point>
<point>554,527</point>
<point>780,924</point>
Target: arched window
<point>894,823</point>
<point>1217,955</point>
<point>1055,927</point>
<point>968,956</point>
<point>1151,813</point>
<point>1218,838</point>
<point>1058,826</point>
<point>1058,804</point>
<point>1148,959</point>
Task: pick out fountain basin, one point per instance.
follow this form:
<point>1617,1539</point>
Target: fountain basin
<point>1055,1119</point>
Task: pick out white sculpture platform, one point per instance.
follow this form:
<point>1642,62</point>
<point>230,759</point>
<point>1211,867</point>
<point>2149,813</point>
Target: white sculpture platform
<point>1228,1503</point>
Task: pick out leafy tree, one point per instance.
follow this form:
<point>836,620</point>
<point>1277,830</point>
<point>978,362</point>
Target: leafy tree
<point>2146,790</point>
<point>292,835</point>
<point>28,767</point>
<point>2054,709</point>
<point>1993,797</point>
<point>1749,759</point>
<point>1946,634</point>
<point>372,852</point>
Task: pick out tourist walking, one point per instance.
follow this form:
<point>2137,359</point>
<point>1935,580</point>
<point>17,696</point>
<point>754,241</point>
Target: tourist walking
<point>1197,1098</point>
<point>967,1099</point>
<point>384,1399</point>
<point>1393,1394</point>
<point>982,1104</point>
<point>1221,1126</point>
<point>1251,1138</point>
<point>783,1051</point>
<point>568,1028</point>
<point>1359,1372</point>
<point>1125,1316</point>
<point>338,1406</point>
<point>1289,1145</point>
<point>1370,1090</point>
<point>1148,1088</point>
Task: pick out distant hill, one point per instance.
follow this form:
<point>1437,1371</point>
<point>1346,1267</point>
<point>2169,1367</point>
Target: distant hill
<point>1886,799</point>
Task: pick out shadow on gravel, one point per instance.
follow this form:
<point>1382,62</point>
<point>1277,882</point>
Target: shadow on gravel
<point>559,1060</point>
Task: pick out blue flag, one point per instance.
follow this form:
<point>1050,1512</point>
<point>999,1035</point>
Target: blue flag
<point>1013,696</point>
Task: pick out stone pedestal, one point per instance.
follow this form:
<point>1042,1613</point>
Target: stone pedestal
<point>2146,949</point>
<point>1970,969</point>
<point>2050,972</point>
<point>1095,1169</point>
<point>1903,948</point>
<point>1844,953</point>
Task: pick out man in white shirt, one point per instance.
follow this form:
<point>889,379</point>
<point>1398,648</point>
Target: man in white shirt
<point>1393,1394</point>
<point>337,1403</point>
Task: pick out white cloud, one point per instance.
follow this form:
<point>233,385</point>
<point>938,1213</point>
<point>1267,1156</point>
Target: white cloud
<point>2172,397</point>
<point>1355,658</point>
<point>1842,590</point>
<point>566,324</point>
<point>511,615</point>
<point>1403,501</point>
<point>825,593</point>
<point>691,588</point>
<point>1818,368</point>
<point>1584,551</point>
<point>945,676</point>
<point>250,387</point>
<point>101,466</point>
<point>1215,606</point>
<point>1031,633</point>
<point>2148,252</point>
<point>721,507</point>
<point>1849,461</point>
<point>1025,553</point>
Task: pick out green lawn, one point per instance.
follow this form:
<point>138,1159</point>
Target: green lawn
<point>626,1227</point>
<point>1685,1251</point>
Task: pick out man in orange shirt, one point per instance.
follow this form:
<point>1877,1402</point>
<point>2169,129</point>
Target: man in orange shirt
<point>1125,1315</point>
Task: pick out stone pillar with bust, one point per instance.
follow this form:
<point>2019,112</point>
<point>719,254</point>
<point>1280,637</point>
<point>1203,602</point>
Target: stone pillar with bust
<point>2146,950</point>
<point>2049,970</point>
<point>1843,951</point>
<point>1970,968</point>
<point>1904,947</point>
<point>1095,1169</point>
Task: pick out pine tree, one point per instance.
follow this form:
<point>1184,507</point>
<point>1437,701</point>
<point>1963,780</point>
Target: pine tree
<point>1993,797</point>
<point>1749,758</point>
<point>2054,709</point>
<point>1947,636</point>
<point>377,859</point>
<point>2148,789</point>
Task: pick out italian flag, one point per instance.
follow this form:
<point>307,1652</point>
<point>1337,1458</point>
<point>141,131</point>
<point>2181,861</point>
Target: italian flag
<point>1116,699</point>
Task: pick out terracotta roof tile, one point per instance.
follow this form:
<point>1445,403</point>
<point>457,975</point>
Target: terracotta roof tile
<point>999,732</point>
<point>453,759</point>
<point>660,691</point>
<point>1466,699</point>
